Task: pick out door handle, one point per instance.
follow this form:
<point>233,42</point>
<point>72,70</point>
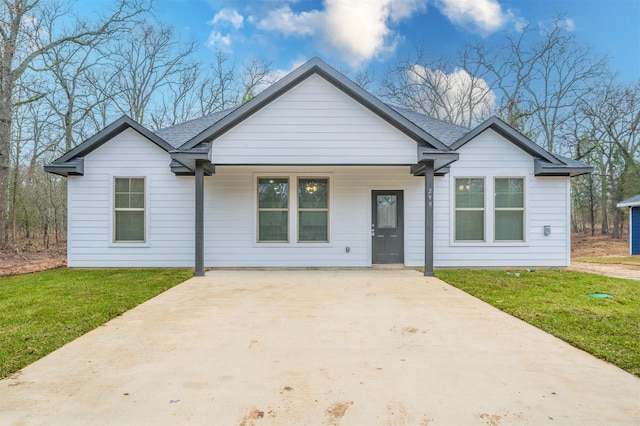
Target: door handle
<point>373,230</point>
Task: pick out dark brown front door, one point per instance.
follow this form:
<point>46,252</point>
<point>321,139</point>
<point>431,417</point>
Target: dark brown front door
<point>387,226</point>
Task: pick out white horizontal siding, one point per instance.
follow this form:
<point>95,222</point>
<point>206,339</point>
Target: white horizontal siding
<point>169,202</point>
<point>314,123</point>
<point>230,231</point>
<point>230,209</point>
<point>546,203</point>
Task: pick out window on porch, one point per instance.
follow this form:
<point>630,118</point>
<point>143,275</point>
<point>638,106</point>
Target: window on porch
<point>313,210</point>
<point>273,209</point>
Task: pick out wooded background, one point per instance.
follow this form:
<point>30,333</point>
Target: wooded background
<point>63,78</point>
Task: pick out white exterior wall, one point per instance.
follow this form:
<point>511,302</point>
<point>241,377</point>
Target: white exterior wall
<point>546,203</point>
<point>169,200</point>
<point>230,216</point>
<point>314,122</point>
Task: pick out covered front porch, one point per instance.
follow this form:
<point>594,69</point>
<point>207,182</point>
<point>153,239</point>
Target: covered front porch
<point>227,228</point>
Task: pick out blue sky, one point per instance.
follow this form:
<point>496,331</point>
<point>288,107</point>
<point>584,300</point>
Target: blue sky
<point>356,34</point>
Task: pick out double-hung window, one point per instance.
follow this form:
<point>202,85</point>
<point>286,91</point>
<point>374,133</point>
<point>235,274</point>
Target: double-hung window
<point>273,210</point>
<point>509,209</point>
<point>313,210</point>
<point>469,211</point>
<point>299,205</point>
<point>129,210</point>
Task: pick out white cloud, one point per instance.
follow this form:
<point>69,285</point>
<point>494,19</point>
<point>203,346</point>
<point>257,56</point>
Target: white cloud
<point>228,15</point>
<point>358,30</point>
<point>403,9</point>
<point>520,24</point>
<point>219,41</point>
<point>569,24</point>
<point>457,96</point>
<point>484,16</point>
<point>287,22</point>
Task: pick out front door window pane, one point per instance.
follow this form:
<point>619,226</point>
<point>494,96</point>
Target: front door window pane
<point>387,213</point>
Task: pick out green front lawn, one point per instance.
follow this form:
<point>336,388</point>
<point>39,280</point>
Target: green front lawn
<point>558,303</point>
<point>40,312</point>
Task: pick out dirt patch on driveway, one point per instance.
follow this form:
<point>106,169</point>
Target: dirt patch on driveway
<point>339,347</point>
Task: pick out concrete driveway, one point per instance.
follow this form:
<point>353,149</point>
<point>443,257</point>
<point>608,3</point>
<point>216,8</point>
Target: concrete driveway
<point>328,347</point>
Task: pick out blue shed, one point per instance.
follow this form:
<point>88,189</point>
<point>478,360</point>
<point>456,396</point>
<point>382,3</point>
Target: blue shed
<point>634,222</point>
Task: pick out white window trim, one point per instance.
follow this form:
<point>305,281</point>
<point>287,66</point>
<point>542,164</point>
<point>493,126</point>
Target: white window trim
<point>523,209</point>
<point>112,214</point>
<point>293,208</point>
<point>489,194</point>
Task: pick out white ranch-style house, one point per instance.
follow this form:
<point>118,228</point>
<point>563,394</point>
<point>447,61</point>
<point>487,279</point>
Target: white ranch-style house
<point>316,172</point>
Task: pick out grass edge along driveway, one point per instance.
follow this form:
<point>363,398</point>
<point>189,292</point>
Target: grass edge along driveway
<point>558,303</point>
<point>40,312</point>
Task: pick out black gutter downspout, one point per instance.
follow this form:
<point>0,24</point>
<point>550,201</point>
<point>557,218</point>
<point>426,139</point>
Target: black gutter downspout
<point>199,175</point>
<point>428,218</point>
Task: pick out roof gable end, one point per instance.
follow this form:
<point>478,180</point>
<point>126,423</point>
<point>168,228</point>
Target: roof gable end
<point>545,163</point>
<point>509,133</point>
<point>319,67</point>
<point>113,129</point>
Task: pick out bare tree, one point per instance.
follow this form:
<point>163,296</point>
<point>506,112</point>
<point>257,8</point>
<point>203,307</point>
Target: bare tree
<point>365,78</point>
<point>73,95</point>
<point>256,75</point>
<point>199,91</point>
<point>148,61</point>
<point>540,75</point>
<point>217,90</point>
<point>607,123</point>
<point>440,88</point>
<point>28,29</point>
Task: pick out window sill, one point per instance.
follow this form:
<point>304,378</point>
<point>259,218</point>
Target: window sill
<point>488,244</point>
<point>293,245</point>
<point>129,245</point>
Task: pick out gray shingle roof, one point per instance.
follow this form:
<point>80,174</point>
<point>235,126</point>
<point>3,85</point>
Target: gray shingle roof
<point>180,133</point>
<point>570,162</point>
<point>445,132</point>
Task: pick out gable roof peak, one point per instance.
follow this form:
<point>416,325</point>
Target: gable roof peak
<point>69,160</point>
<point>496,124</point>
<point>316,66</point>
